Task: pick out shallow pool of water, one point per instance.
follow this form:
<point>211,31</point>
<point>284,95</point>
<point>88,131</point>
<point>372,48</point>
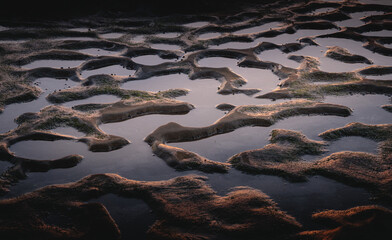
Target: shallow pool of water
<point>366,109</point>
<point>234,45</point>
<point>13,111</point>
<point>137,161</point>
<point>68,131</point>
<point>356,48</point>
<point>196,24</point>
<point>109,70</point>
<point>257,78</point>
<point>292,38</point>
<point>104,98</point>
<point>322,10</point>
<point>46,150</point>
<point>168,34</point>
<point>111,35</point>
<point>209,35</point>
<point>163,46</point>
<point>382,33</point>
<point>278,56</point>
<point>260,28</point>
<point>150,60</point>
<point>98,52</point>
<point>53,64</point>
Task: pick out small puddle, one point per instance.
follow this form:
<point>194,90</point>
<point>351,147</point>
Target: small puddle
<point>355,19</point>
<point>74,39</point>
<point>257,78</point>
<point>277,56</point>
<point>234,45</point>
<point>383,2</point>
<point>356,48</point>
<point>330,65</point>
<point>209,35</point>
<point>382,33</point>
<point>292,38</point>
<point>104,98</point>
<point>168,34</point>
<point>256,29</point>
<point>222,147</point>
<point>195,24</point>
<point>98,52</point>
<point>353,143</point>
<point>387,77</point>
<point>109,70</point>
<point>81,29</point>
<point>113,35</point>
<point>47,150</point>
<point>150,60</point>
<point>163,46</point>
<point>13,111</point>
<point>322,10</point>
<point>53,64</point>
<point>68,131</point>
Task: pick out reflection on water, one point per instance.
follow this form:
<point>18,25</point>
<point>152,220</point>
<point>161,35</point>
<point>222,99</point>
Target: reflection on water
<point>111,35</point>
<point>382,33</point>
<point>292,38</point>
<point>234,45</point>
<point>47,85</point>
<point>209,35</point>
<point>257,78</point>
<point>260,28</point>
<point>366,109</point>
<point>323,10</point>
<point>280,57</point>
<point>168,34</point>
<point>353,143</point>
<point>104,98</point>
<point>149,60</point>
<point>46,150</point>
<point>98,52</point>
<point>356,48</point>
<point>53,64</point>
<point>195,24</point>
<point>136,160</point>
<point>163,46</point>
<point>68,131</point>
<point>110,70</point>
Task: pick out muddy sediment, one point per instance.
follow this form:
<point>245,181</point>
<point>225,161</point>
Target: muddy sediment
<point>363,222</point>
<point>181,213</point>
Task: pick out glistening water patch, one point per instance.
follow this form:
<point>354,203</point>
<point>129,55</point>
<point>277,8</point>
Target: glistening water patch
<point>53,64</point>
<point>150,60</point>
<point>109,70</point>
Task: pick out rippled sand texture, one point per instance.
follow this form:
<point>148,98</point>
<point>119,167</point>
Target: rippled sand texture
<point>272,123</point>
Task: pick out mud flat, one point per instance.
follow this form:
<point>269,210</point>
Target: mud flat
<point>199,212</point>
<point>282,109</point>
